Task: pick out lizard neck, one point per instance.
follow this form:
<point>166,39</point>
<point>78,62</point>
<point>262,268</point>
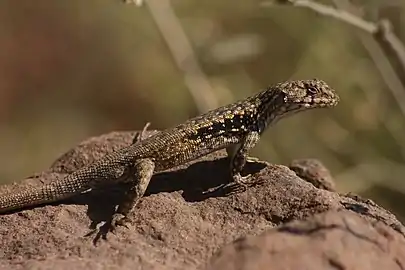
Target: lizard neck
<point>272,107</point>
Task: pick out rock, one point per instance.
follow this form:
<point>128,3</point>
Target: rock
<point>183,220</point>
<point>313,171</point>
<point>331,240</point>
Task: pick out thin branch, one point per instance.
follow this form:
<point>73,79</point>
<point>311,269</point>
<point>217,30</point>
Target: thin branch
<point>385,33</point>
<point>381,31</point>
<point>387,72</point>
<point>183,54</point>
<point>331,12</point>
<point>176,39</point>
<point>136,2</point>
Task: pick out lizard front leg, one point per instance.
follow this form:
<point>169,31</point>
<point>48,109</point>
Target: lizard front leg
<point>240,155</point>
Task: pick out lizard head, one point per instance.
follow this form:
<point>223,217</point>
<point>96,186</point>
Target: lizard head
<point>290,97</point>
<point>307,94</point>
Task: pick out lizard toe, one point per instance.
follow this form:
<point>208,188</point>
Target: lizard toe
<point>119,220</point>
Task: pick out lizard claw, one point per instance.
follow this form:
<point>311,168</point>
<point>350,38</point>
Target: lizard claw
<point>234,188</point>
<point>119,220</point>
<point>252,159</point>
<point>139,136</point>
<point>243,180</point>
<point>256,160</point>
<point>241,183</point>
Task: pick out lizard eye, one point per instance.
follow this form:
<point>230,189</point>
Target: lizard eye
<point>312,90</point>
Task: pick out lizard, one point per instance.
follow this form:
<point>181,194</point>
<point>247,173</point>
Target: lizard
<point>236,127</point>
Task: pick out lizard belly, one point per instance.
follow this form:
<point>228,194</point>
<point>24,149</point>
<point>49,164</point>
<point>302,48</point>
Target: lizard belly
<point>180,153</point>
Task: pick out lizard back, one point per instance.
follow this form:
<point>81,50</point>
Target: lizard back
<point>197,137</point>
<point>228,125</point>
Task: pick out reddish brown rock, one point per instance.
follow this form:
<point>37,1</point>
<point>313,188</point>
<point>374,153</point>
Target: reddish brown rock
<point>183,221</point>
<point>313,171</point>
<point>331,240</point>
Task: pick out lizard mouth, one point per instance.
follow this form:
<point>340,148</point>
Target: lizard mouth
<point>315,102</point>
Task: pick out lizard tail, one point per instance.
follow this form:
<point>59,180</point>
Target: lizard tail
<point>34,196</point>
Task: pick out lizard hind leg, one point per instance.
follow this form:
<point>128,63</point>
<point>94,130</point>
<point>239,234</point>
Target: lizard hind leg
<point>139,177</point>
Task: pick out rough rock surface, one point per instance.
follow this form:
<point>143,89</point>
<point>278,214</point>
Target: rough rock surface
<point>184,223</point>
<point>313,171</point>
<point>331,240</point>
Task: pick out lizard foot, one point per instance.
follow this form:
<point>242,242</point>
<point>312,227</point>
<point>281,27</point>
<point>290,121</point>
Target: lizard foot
<point>243,180</point>
<point>233,188</point>
<point>119,220</point>
<point>252,159</point>
<point>102,229</point>
<point>139,136</point>
<point>256,160</point>
<point>241,183</point>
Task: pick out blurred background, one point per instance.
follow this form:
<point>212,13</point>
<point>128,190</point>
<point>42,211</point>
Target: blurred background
<point>74,69</point>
